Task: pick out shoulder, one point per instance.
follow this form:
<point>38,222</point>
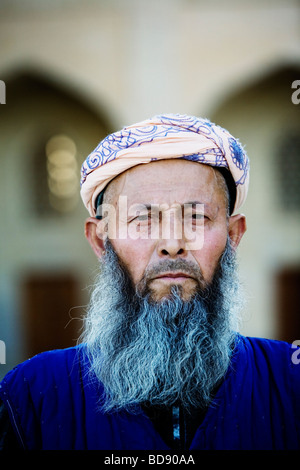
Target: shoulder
<point>271,360</point>
<point>47,385</point>
<point>265,351</point>
<point>56,357</point>
<point>264,344</point>
<point>42,370</point>
<point>270,350</point>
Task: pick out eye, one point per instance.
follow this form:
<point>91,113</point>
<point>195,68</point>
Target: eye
<point>198,218</point>
<point>141,218</point>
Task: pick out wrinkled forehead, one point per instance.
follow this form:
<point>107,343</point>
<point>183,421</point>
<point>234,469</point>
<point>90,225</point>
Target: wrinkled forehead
<point>166,181</point>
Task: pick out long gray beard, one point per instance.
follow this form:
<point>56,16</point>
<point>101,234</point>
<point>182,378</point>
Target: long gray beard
<point>159,353</point>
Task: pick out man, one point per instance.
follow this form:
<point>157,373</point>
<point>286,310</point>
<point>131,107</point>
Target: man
<point>161,365</point>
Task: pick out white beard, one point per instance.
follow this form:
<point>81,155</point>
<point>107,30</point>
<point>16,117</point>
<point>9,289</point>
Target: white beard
<point>160,353</point>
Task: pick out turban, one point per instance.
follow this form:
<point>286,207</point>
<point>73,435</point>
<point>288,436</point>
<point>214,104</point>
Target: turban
<point>164,137</point>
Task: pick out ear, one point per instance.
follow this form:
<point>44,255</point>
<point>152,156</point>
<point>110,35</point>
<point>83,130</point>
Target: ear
<point>236,228</point>
<point>94,233</point>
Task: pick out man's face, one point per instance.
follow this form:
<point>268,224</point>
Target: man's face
<point>172,184</point>
<point>158,263</point>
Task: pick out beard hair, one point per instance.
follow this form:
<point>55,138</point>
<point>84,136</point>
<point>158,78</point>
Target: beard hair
<point>160,353</point>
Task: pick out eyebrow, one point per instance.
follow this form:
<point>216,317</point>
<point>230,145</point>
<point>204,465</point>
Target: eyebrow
<point>194,203</point>
<point>149,206</point>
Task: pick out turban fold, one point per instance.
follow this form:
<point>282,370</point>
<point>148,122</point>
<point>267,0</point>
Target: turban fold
<point>161,138</point>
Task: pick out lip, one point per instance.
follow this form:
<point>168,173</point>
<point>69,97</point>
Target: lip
<point>172,276</point>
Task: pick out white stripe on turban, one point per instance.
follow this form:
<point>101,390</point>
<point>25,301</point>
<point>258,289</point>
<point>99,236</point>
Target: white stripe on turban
<point>164,137</point>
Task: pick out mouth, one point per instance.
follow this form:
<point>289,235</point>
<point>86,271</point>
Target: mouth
<point>171,277</point>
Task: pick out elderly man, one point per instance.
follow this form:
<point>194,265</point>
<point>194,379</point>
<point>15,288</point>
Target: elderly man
<point>161,364</point>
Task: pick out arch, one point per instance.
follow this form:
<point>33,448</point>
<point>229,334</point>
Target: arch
<point>24,81</point>
<point>61,85</point>
<point>48,109</point>
<point>275,80</point>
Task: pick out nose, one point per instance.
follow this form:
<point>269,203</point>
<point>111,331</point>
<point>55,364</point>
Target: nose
<point>171,249</point>
<point>171,242</point>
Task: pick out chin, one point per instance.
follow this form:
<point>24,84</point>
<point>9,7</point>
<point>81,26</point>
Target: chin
<point>168,293</point>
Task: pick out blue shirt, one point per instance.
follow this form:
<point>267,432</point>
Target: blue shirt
<point>53,404</point>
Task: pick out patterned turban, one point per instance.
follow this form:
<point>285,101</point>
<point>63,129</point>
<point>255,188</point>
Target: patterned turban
<point>160,138</point>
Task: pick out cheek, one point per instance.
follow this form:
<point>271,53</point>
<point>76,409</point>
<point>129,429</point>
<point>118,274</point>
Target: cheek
<point>135,254</point>
<point>208,257</point>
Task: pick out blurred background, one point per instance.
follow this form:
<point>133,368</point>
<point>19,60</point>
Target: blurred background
<point>75,71</point>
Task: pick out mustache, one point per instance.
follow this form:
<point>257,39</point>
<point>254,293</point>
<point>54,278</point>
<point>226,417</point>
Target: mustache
<point>153,271</point>
<point>171,266</point>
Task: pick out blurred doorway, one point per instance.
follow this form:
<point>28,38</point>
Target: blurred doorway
<point>49,317</point>
<point>288,304</point>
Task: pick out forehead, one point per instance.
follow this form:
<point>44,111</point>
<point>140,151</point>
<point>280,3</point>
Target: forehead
<point>176,180</point>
